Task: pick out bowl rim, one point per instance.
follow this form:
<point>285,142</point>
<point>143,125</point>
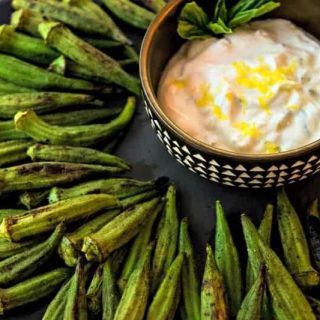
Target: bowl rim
<point>150,96</point>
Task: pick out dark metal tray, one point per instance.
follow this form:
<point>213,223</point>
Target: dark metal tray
<point>150,159</point>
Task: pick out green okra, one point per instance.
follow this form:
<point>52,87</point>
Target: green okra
<point>139,198</point>
<point>56,308</point>
<point>9,87</point>
<point>43,152</point>
<point>265,229</point>
<point>294,244</point>
<point>8,132</point>
<point>121,187</point>
<point>134,300</point>
<point>25,47</point>
<point>94,292</point>
<point>117,259</point>
<point>287,300</point>
<point>110,298</point>
<point>154,5</point>
<point>112,145</point>
<point>137,249</point>
<point>9,248</point>
<point>45,218</point>
<point>227,259</point>
<point>37,175</point>
<point>76,304</point>
<point>85,135</point>
<point>32,289</point>
<point>165,302</point>
<point>13,151</point>
<point>189,279</point>
<point>10,212</point>
<point>130,13</point>
<point>41,102</point>
<point>30,76</point>
<point>213,291</point>
<point>166,239</point>
<point>118,232</point>
<point>103,44</point>
<point>32,199</point>
<point>24,264</point>
<point>61,38</point>
<point>70,246</point>
<point>251,307</point>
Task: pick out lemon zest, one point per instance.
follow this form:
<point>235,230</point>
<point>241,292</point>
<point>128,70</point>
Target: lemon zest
<point>247,129</point>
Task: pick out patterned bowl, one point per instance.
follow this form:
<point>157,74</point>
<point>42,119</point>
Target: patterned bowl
<point>238,170</point>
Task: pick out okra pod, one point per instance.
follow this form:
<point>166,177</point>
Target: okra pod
<point>139,198</point>
<point>103,44</point>
<point>71,243</point>
<point>9,87</point>
<point>30,76</point>
<point>113,144</point>
<point>32,199</point>
<point>13,151</point>
<point>315,304</point>
<point>227,259</point>
<point>189,279</point>
<point>134,300</point>
<point>137,249</point>
<point>40,102</point>
<point>287,300</point>
<point>32,289</point>
<point>166,239</point>
<point>213,291</point>
<point>74,17</point>
<point>120,187</point>
<point>313,226</point>
<point>110,298</point>
<point>117,259</point>
<point>76,305</point>
<point>264,230</point>
<point>118,232</point>
<point>8,132</point>
<point>43,152</point>
<point>165,302</point>
<point>38,175</point>
<point>61,38</point>
<point>94,292</point>
<point>294,244</point>
<point>251,307</point>
<point>130,13</point>
<point>45,218</point>
<point>25,47</point>
<point>154,5</point>
<point>10,212</point>
<point>85,135</point>
<point>22,265</point>
<point>9,249</point>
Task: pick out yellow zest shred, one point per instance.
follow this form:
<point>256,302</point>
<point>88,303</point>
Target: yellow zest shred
<point>271,147</point>
<point>247,129</point>
<point>217,112</point>
<point>293,107</point>
<point>180,84</point>
<point>206,98</point>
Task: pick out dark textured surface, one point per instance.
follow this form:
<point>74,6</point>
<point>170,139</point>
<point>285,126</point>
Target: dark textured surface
<point>150,159</point>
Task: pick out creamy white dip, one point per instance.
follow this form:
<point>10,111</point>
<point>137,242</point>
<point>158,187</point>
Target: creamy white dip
<point>254,91</point>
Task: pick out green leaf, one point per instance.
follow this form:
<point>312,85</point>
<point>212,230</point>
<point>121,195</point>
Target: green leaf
<point>246,16</point>
<point>220,11</point>
<point>193,22</point>
<point>219,27</point>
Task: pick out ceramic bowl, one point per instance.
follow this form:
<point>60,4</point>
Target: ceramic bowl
<point>228,168</point>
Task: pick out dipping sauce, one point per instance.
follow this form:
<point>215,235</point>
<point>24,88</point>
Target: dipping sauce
<point>254,91</point>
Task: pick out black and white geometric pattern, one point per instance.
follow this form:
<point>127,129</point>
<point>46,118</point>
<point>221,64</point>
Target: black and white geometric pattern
<point>235,174</point>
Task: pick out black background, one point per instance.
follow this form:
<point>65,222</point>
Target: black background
<point>150,159</point>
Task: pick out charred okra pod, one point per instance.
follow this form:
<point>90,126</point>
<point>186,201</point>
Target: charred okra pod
<point>76,305</point>
<point>47,174</point>
<point>9,249</point>
<point>287,300</point>
<point>213,291</point>
<point>134,300</point>
<point>74,17</point>
<point>94,292</point>
<point>294,244</point>
<point>10,212</point>
<point>25,47</point>
<point>118,232</point>
<point>45,218</point>
<point>41,102</point>
<point>8,132</point>
<point>189,279</point>
<point>9,87</point>
<point>227,259</point>
<point>61,38</point>
<point>32,199</point>
<point>137,249</point>
<point>165,302</point>
<point>120,187</point>
<point>70,246</point>
<point>103,44</point>
<point>130,13</point>
<point>30,76</point>
<point>32,289</point>
<point>42,152</point>
<point>166,239</point>
<point>139,198</point>
<point>154,5</point>
<point>22,265</point>
<point>85,135</point>
<point>251,307</point>
<point>13,151</point>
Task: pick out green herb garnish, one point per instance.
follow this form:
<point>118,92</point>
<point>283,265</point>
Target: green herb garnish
<point>195,23</point>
